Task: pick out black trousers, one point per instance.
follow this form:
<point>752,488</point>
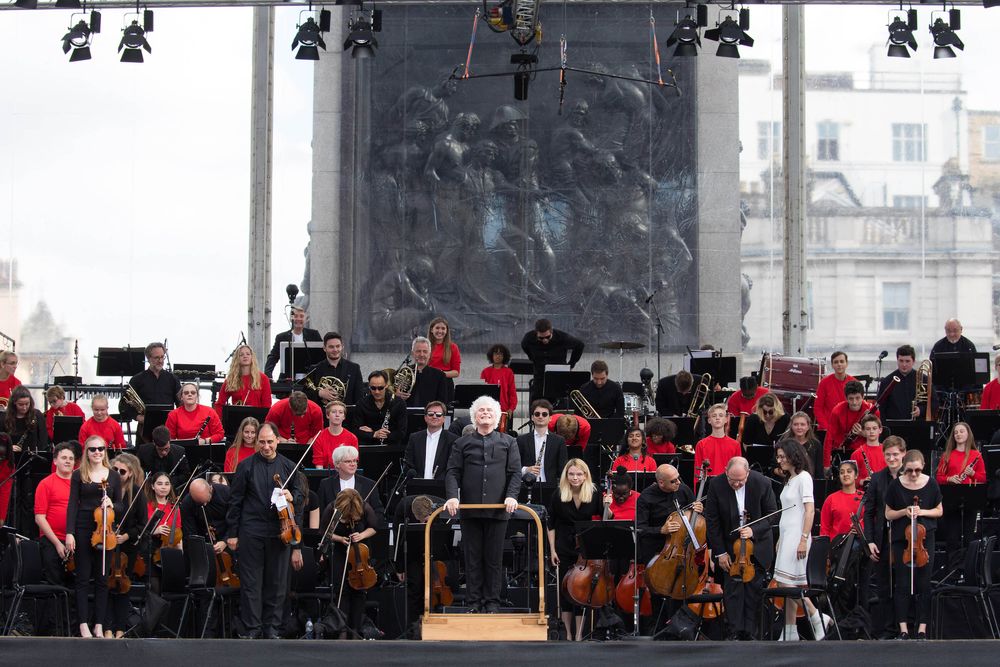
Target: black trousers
<point>415,591</point>
<point>482,544</point>
<point>89,579</point>
<point>352,602</point>
<point>883,611</point>
<point>263,571</point>
<point>742,601</point>
<point>921,584</point>
<point>55,574</point>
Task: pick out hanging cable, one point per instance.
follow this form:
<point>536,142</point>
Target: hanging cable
<point>472,43</point>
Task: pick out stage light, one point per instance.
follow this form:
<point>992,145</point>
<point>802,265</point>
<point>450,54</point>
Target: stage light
<point>685,34</point>
<point>26,4</point>
<point>731,34</point>
<point>991,3</point>
<point>68,4</point>
<point>134,38</point>
<point>80,35</point>
<point>901,39</point>
<point>361,33</point>
<point>944,35</point>
<point>309,38</point>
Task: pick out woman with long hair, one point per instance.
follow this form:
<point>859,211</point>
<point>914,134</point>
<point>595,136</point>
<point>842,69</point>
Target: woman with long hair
<point>961,463</point>
<point>245,384</point>
<point>245,445</point>
<point>92,486</point>
<point>445,355</point>
<point>767,422</point>
<point>634,457</point>
<point>357,523</point>
<point>26,428</point>
<point>577,500</point>
<point>8,364</point>
<point>130,524</point>
<point>160,495</point>
<point>801,431</point>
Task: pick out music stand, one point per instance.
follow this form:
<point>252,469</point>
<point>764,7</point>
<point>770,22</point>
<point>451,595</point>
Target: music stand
<point>425,487</point>
<point>601,540</point>
<point>467,392</point>
<point>120,361</point>
<point>233,416</point>
<point>685,430</point>
<point>299,357</point>
<point>558,384</point>
<point>65,428</point>
<point>156,415</point>
<point>956,369</point>
<point>967,498</point>
<point>722,369</point>
<point>668,459</point>
<point>917,434</point>
<point>984,423</point>
<point>522,366</point>
<point>607,431</point>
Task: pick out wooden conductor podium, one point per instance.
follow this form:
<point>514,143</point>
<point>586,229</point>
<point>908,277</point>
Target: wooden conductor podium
<point>483,627</point>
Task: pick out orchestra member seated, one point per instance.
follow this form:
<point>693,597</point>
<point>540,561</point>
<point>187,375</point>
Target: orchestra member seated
<point>660,434</point>
<point>831,389</point>
<point>297,418</point>
<point>333,436</point>
<point>898,403</point>
<point>953,340</point>
<point>193,421</point>
<point>742,401</point>
<point>160,495</point>
<point>674,394</point>
<point>25,427</point>
<point>345,462</point>
<point>845,420</point>
<point>835,517</point>
<point>245,445</point>
<point>623,497</point>
<point>244,383</point>
<point>541,444</point>
<point>161,455</point>
<point>429,384</point>
<point>299,333</point>
<point>59,406</point>
<point>154,385</point>
<point>871,430</point>
<point>605,395</point>
<point>379,417</point>
<point>498,372</point>
<point>544,346</point>
<point>338,366</point>
<point>635,458</point>
<point>991,392</point>
<point>445,355</point>
<point>8,365</point>
<point>428,450</point>
<point>766,423</point>
<point>102,424</point>
<point>961,463</point>
<point>209,502</point>
<point>358,522</point>
<point>800,430</point>
<point>574,429</point>
<point>718,447</point>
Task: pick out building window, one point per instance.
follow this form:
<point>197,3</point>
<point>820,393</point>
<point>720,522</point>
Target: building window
<point>991,142</point>
<point>896,306</point>
<point>909,201</point>
<point>768,140</point>
<point>909,142</point>
<point>828,141</point>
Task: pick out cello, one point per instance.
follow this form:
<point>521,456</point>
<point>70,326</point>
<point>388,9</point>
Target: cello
<point>589,582</point>
<point>674,571</point>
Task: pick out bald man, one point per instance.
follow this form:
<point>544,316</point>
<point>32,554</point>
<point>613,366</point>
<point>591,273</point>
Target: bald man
<point>654,506</point>
<point>206,502</point>
<point>953,340</point>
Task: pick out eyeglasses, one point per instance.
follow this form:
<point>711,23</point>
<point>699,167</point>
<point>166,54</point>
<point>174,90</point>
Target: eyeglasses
<point>354,461</point>
<point>539,414</point>
<point>913,471</point>
<point>737,482</point>
<point>375,387</point>
<point>672,481</point>
<point>435,415</point>
<point>95,449</point>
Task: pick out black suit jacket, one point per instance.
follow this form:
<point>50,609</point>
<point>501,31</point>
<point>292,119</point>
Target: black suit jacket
<point>416,450</point>
<point>722,516</point>
<point>431,384</point>
<point>151,462</point>
<point>874,508</point>
<point>669,401</point>
<point>330,487</point>
<point>486,470</point>
<point>555,454</point>
<point>286,337</point>
<point>346,371</point>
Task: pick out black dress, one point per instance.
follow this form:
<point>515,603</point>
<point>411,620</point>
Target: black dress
<point>352,602</point>
<point>899,497</point>
<point>562,518</point>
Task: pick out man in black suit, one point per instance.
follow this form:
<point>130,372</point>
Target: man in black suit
<point>427,451</point>
<point>546,345</point>
<point>338,366</point>
<point>531,444</point>
<point>727,497</point>
<point>161,456</point>
<point>877,535</point>
<point>485,468</point>
<point>345,462</point>
<point>430,384</point>
<point>297,334</point>
<point>674,394</point>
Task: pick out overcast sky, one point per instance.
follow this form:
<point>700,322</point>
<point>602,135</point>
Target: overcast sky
<point>124,188</point>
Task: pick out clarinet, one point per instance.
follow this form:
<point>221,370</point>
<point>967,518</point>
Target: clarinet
<point>965,475</point>
<point>868,465</point>
<point>292,438</point>
<point>385,422</point>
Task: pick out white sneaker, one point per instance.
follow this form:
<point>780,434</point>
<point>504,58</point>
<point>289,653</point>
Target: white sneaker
<point>819,623</point>
<point>790,634</point>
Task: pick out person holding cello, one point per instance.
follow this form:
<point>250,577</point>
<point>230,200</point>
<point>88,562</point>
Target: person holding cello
<point>253,528</point>
<point>913,506</point>
<point>733,499</point>
<point>356,523</point>
<point>577,500</point>
<point>95,493</point>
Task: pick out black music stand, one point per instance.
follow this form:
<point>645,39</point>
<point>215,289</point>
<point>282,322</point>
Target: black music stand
<point>233,415</point>
<point>685,430</point>
<point>467,392</point>
<point>120,361</point>
<point>722,369</point>
<point>984,423</point>
<point>541,492</point>
<point>917,434</point>
<point>522,366</point>
<point>214,454</point>
<point>425,487</point>
<point>669,459</point>
<point>556,385</point>
<point>415,420</point>
<point>968,498</point>
<point>65,428</point>
<point>602,540</point>
<point>300,357</point>
<point>762,456</point>
<point>156,415</point>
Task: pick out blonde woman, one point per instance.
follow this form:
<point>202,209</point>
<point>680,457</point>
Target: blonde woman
<point>244,384</point>
<point>129,526</point>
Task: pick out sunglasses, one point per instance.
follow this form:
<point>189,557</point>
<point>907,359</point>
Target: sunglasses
<point>121,471</point>
<point>913,471</point>
<point>95,449</point>
<point>539,414</point>
<point>373,387</point>
<point>435,414</point>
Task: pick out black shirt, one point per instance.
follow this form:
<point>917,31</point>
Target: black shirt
<point>153,463</point>
<point>153,390</point>
<point>899,403</point>
<point>754,432</point>
<point>366,413</point>
<point>898,497</point>
<point>369,519</point>
<point>274,356</point>
<point>963,344</point>
<point>609,401</point>
<point>669,401</point>
<point>250,510</point>
<point>874,507</point>
<point>29,431</point>
<point>562,518</point>
<point>216,510</point>
<point>652,509</point>
<point>553,352</point>
<point>84,498</point>
<point>346,371</point>
<point>430,384</point>
<point>484,469</point>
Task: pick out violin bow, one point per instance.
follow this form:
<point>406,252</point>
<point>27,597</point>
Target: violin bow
<point>301,459</point>
<point>335,519</point>
<point>766,516</point>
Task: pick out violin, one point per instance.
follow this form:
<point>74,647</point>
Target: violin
<point>441,594</point>
<point>173,536</point>
<point>290,533</point>
<point>104,534</point>
<point>118,580</point>
<point>674,571</point>
<point>915,554</point>
<point>361,575</point>
<point>224,575</point>
<point>742,568</point>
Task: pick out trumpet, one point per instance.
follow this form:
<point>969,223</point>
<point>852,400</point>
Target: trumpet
<point>403,378</point>
<point>699,398</point>
<point>131,398</point>
<point>581,403</point>
<point>924,384</point>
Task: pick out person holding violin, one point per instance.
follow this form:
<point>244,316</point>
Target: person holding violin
<point>877,536</point>
<point>635,458</point>
<point>795,535</point>
<point>357,522</point>
<point>160,495</point>
<point>738,494</point>
<point>254,529</point>
<point>130,524</point>
<point>961,463</point>
<point>51,499</point>
<point>245,445</point>
<point>95,493</point>
<point>577,500</point>
<point>913,506</point>
<point>245,384</point>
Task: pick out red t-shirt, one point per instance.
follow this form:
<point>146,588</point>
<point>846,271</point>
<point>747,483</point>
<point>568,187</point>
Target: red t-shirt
<point>718,451</point>
<point>51,499</point>
<point>835,517</point>
<point>230,463</point>
<point>828,394</point>
<point>70,409</point>
<point>306,426</point>
<point>842,419</point>
<point>645,463</point>
<point>626,510</point>
<point>258,398</point>
<point>184,425</point>
<point>955,467</point>
<point>175,518</point>
<point>582,432</point>
<point>737,404</point>
<point>875,458</point>
<point>991,396</point>
<point>662,448</point>
<point>108,429</point>
<point>437,358</point>
<point>326,442</point>
<point>508,389</point>
<point>7,386</point>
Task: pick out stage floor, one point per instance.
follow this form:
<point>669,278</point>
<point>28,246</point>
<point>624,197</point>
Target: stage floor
<point>39,650</point>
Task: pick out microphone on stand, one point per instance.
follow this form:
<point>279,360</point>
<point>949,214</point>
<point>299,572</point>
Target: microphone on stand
<point>885,353</point>
<point>529,480</point>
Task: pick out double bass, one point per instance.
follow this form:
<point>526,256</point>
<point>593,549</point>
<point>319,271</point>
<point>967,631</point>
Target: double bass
<point>674,571</point>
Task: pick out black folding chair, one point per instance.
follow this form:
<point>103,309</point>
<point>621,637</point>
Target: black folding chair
<point>816,586</point>
<point>305,586</point>
<point>29,582</point>
<point>201,586</point>
<point>173,584</point>
<point>974,587</point>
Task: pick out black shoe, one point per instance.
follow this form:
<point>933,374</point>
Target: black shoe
<point>492,608</point>
<point>902,636</point>
<point>921,636</point>
<point>476,608</point>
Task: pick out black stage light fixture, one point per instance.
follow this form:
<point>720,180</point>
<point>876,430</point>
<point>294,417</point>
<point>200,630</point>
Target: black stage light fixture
<point>361,33</point>
<point>26,4</point>
<point>731,34</point>
<point>80,36</point>
<point>134,38</point>
<point>68,4</point>
<point>901,39</point>
<point>944,35</point>
<point>309,37</point>
<point>991,3</point>
<point>685,34</point>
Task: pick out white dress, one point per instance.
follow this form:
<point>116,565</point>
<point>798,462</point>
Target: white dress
<point>789,569</point>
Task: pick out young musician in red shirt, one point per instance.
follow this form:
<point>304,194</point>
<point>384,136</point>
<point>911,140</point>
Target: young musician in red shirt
<point>845,419</point>
<point>574,429</point>
<point>103,425</point>
<point>51,500</point>
<point>298,419</point>
<point>160,495</point>
<point>871,429</point>
<point>745,399</point>
<point>991,392</point>
<point>333,436</point>
<point>831,389</point>
<point>660,434</point>
<point>623,497</point>
<point>185,422</point>
<point>961,463</point>
<point>635,457</point>
<point>835,517</point>
<point>245,445</point>
<point>717,448</point>
<point>59,406</point>
<point>244,383</point>
<point>8,364</point>
<point>498,372</point>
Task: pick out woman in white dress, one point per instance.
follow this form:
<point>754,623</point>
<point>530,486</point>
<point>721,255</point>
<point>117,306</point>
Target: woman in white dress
<point>795,534</point>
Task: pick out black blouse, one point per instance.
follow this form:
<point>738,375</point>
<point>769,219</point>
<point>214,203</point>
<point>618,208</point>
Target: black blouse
<point>368,520</point>
<point>754,432</point>
<point>899,497</point>
<point>562,518</point>
<point>84,498</point>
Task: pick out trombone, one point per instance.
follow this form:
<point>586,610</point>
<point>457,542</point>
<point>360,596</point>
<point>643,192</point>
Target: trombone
<point>699,398</point>
<point>924,385</point>
<point>583,406</point>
